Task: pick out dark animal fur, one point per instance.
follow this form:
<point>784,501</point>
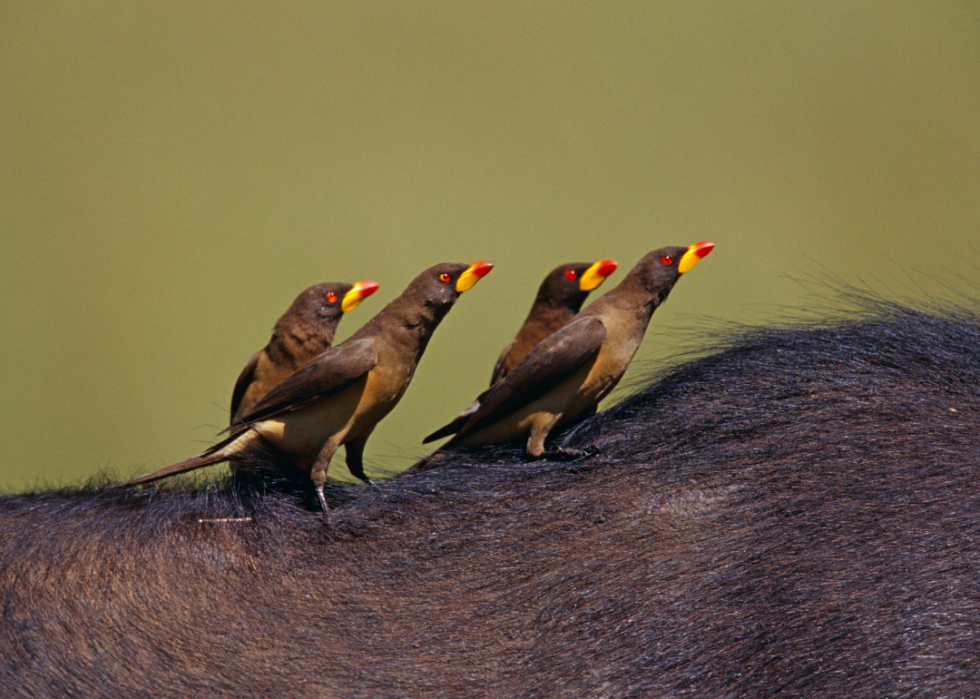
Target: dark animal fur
<point>796,515</point>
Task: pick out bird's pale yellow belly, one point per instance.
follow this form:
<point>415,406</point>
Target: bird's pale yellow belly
<point>565,404</point>
<point>344,416</point>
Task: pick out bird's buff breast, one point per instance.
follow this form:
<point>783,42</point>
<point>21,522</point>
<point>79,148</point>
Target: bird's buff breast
<point>347,415</point>
<point>573,398</point>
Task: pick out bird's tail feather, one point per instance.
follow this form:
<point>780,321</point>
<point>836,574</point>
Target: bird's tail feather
<point>452,428</point>
<point>457,424</point>
<point>222,451</point>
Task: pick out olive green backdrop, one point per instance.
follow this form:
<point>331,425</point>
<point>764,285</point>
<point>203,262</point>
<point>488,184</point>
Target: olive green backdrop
<point>173,174</point>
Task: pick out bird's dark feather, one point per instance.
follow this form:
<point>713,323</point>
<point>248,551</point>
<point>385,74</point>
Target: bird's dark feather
<point>554,359</point>
<point>331,372</point>
<point>243,382</point>
<point>499,371</point>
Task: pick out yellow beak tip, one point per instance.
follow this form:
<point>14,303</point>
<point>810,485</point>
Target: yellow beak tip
<point>694,255</point>
<point>474,273</point>
<point>358,293</point>
<point>596,274</point>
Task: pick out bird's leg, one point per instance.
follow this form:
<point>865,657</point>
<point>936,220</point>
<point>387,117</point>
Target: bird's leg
<point>536,450</point>
<point>318,474</point>
<point>539,433</point>
<point>355,460</point>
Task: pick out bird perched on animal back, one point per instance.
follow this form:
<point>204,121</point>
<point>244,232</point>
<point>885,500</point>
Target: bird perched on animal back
<point>339,397</point>
<point>305,330</point>
<point>559,298</point>
<point>564,377</point>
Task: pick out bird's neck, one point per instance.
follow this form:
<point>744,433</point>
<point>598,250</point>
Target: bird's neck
<point>549,315</point>
<point>292,342</point>
<point>407,324</point>
<point>630,300</point>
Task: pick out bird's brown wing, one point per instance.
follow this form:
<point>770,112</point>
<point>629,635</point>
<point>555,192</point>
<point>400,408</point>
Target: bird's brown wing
<point>331,372</point>
<point>499,371</point>
<point>554,359</point>
<point>244,381</point>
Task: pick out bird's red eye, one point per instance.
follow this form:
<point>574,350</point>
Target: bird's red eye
<point>570,274</point>
<point>666,259</point>
<point>444,278</point>
<point>331,296</point>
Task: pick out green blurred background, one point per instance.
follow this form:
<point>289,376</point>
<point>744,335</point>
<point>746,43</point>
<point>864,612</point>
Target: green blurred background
<point>173,174</point>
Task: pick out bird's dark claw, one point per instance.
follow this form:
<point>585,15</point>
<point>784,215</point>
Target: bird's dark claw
<point>323,500</point>
<point>570,454</point>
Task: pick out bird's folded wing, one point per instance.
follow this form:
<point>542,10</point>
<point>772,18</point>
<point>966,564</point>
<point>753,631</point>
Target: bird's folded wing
<point>244,381</point>
<point>499,371</point>
<point>554,359</point>
<point>331,372</point>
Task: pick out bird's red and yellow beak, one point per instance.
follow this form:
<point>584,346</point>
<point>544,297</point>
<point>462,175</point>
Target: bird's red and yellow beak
<point>596,274</point>
<point>360,292</point>
<point>694,255</point>
<point>472,275</point>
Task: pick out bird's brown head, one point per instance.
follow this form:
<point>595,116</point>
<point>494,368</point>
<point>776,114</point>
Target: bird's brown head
<point>659,270</point>
<point>568,285</point>
<point>327,302</point>
<point>416,313</point>
<point>441,285</point>
<point>320,304</point>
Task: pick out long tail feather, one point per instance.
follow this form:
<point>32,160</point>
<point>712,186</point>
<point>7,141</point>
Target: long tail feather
<point>222,451</point>
<point>452,428</point>
<point>457,424</point>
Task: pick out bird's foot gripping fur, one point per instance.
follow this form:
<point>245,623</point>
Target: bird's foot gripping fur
<point>568,453</point>
<point>323,499</point>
